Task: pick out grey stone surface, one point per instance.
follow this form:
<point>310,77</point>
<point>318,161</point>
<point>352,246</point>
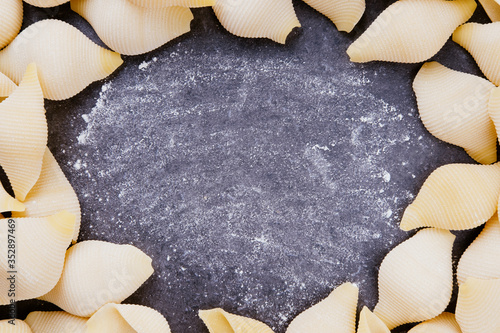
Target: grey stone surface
<point>257,176</point>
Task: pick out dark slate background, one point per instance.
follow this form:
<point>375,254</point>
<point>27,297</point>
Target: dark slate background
<point>257,176</point>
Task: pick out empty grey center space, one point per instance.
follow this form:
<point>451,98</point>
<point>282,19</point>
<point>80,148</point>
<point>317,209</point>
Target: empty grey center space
<point>257,176</point>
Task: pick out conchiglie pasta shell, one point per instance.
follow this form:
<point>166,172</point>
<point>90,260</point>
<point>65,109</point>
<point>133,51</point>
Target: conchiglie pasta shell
<point>40,246</point>
<point>478,306</point>
<point>492,8</point>
<point>454,107</point>
<point>444,323</point>
<point>257,18</point>
<point>494,108</point>
<point>416,279</point>
<point>19,327</point>
<point>11,19</point>
<point>23,134</point>
<point>411,31</point>
<point>8,203</point>
<point>130,29</point>
<point>96,273</point>
<point>220,321</point>
<point>55,322</point>
<point>370,323</point>
<point>127,318</point>
<point>170,3</point>
<point>7,86</point>
<point>46,3</point>
<point>336,313</point>
<point>63,74</point>
<point>455,197</point>
<point>345,14</point>
<point>51,193</point>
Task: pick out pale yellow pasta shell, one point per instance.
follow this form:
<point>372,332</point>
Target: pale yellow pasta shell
<point>7,86</point>
<point>416,279</point>
<point>8,203</point>
<point>130,29</point>
<point>55,322</point>
<point>455,197</point>
<point>127,318</point>
<point>411,31</point>
<point>11,19</point>
<point>96,273</point>
<point>494,109</point>
<point>492,8</point>
<point>51,193</point>
<point>257,18</point>
<point>345,14</point>
<point>482,258</point>
<point>220,321</point>
<point>483,43</point>
<point>444,323</point>
<point>19,327</point>
<point>23,134</point>
<point>336,313</point>
<point>370,323</point>
<point>170,3</point>
<point>67,60</point>
<point>46,3</point>
<point>454,107</point>
<point>478,306</point>
<point>40,245</point>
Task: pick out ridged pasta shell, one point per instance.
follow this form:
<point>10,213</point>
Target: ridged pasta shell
<point>220,321</point>
<point>51,193</point>
<point>455,197</point>
<point>494,108</point>
<point>481,259</point>
<point>130,29</point>
<point>8,203</point>
<point>23,134</point>
<point>19,327</point>
<point>258,18</point>
<point>483,43</point>
<point>11,19</point>
<point>345,14</point>
<point>492,8</point>
<point>478,306</point>
<point>370,323</point>
<point>415,280</point>
<point>444,323</point>
<point>127,318</point>
<point>411,31</point>
<point>454,107</point>
<point>170,3</point>
<point>55,322</point>
<point>46,3</point>
<point>96,273</point>
<point>63,74</point>
<point>336,313</point>
<point>7,86</point>
<point>40,245</point>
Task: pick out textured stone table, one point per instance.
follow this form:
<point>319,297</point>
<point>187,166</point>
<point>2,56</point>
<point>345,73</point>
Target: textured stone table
<point>257,176</point>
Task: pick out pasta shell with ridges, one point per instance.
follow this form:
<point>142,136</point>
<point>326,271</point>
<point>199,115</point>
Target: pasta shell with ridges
<point>23,134</point>
<point>478,306</point>
<point>7,86</point>
<point>257,18</point>
<point>40,247</point>
<point>415,279</point>
<point>11,19</point>
<point>370,323</point>
<point>220,321</point>
<point>8,203</point>
<point>19,327</point>
<point>170,3</point>
<point>455,197</point>
<point>454,107</point>
<point>46,3</point>
<point>130,29</point>
<point>492,8</point>
<point>96,273</point>
<point>411,31</point>
<point>77,63</point>
<point>444,323</point>
<point>127,318</point>
<point>336,313</point>
<point>345,14</point>
<point>51,193</point>
<point>494,108</point>
<point>55,322</point>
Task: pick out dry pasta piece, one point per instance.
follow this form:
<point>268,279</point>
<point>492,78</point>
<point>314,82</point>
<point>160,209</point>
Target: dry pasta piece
<point>51,193</point>
<point>55,322</point>
<point>7,86</point>
<point>481,259</point>
<point>444,323</point>
<point>370,323</point>
<point>127,318</point>
<point>258,18</point>
<point>454,107</point>
<point>345,14</point>
<point>411,31</point>
<point>492,8</point>
<point>335,313</point>
<point>478,306</point>
<point>483,43</point>
<point>8,203</point>
<point>170,3</point>
<point>455,197</point>
<point>494,109</point>
<point>46,3</point>
<point>63,74</point>
<point>23,134</point>
<point>11,19</point>
<point>130,29</point>
<point>96,273</point>
<point>220,321</point>
<point>19,327</point>
<point>40,245</point>
<point>416,279</point>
